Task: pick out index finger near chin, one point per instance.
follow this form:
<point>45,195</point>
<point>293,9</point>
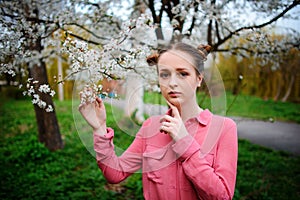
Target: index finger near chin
<point>175,111</point>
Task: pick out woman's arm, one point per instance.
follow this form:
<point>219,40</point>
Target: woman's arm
<point>114,168</point>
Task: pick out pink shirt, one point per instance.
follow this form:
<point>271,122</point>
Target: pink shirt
<point>176,170</point>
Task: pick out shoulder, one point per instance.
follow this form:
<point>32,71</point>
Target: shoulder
<point>228,122</point>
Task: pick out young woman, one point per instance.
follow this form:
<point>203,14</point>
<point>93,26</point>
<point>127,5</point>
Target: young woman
<point>187,153</point>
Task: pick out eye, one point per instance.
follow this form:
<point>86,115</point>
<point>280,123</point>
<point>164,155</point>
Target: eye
<point>164,75</point>
<point>183,74</point>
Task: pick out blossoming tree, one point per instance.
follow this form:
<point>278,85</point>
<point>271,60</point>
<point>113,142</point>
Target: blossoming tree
<point>96,42</point>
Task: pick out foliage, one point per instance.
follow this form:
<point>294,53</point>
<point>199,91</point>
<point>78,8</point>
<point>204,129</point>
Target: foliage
<point>269,80</point>
<point>30,171</point>
<point>266,174</point>
<point>254,107</point>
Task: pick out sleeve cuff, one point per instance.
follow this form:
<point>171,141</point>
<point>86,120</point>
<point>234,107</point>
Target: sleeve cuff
<point>103,142</point>
<point>186,147</point>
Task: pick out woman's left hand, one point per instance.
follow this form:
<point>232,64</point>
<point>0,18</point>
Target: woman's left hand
<point>173,125</point>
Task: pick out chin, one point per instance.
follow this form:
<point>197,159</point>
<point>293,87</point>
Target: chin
<point>175,101</point>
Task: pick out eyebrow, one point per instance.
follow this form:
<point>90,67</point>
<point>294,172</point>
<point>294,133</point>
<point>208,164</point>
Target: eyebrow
<point>182,69</point>
<point>177,69</point>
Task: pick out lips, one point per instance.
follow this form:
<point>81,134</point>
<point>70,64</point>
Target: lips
<point>174,94</point>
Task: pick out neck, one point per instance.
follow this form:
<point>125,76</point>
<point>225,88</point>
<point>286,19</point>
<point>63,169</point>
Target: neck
<point>189,110</point>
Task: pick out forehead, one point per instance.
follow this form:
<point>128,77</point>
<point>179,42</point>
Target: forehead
<point>175,59</point>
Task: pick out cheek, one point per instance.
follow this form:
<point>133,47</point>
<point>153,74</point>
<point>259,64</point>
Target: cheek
<point>162,88</point>
<point>190,88</point>
<point>162,84</point>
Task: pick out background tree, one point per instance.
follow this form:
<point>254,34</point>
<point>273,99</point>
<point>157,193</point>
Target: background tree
<point>26,38</point>
<point>254,76</point>
<point>24,29</point>
<point>217,22</point>
<point>31,36</point>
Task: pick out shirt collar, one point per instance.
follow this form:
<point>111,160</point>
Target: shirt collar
<point>204,117</point>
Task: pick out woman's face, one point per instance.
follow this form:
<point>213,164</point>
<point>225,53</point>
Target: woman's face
<point>177,77</point>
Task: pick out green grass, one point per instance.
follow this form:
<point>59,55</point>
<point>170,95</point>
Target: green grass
<point>245,106</point>
<point>29,171</point>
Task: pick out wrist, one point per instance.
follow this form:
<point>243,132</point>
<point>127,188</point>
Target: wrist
<point>100,131</point>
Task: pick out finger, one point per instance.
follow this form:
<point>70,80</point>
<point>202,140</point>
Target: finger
<point>167,118</point>
<point>164,129</point>
<point>166,124</point>
<point>80,107</point>
<point>175,111</point>
<point>99,100</point>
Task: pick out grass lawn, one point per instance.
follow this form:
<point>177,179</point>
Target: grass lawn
<point>29,171</point>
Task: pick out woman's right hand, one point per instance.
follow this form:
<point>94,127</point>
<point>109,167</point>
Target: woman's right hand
<point>95,115</point>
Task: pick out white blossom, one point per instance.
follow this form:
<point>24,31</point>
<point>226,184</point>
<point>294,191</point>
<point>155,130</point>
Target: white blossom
<point>41,104</point>
<point>49,108</point>
<point>31,90</point>
<point>52,93</point>
<point>44,88</point>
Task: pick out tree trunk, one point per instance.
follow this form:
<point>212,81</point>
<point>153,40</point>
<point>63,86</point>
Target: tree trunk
<point>49,133</point>
<point>289,89</point>
<point>48,128</point>
<point>278,90</point>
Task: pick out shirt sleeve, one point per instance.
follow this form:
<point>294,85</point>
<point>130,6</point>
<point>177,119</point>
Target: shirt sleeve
<point>114,168</point>
<point>217,181</point>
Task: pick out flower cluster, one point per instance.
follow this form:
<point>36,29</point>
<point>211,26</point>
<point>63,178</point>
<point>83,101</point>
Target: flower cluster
<point>33,89</point>
<point>91,92</point>
<point>87,96</point>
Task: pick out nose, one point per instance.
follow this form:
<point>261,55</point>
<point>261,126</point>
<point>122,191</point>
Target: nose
<point>173,81</point>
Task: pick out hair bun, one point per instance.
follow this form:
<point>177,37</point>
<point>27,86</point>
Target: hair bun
<point>152,59</point>
<point>204,50</point>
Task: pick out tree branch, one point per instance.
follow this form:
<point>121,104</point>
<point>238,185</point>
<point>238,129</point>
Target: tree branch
<point>196,7</point>
<point>152,9</point>
<point>295,3</point>
<point>89,31</point>
<point>217,30</point>
<point>81,38</point>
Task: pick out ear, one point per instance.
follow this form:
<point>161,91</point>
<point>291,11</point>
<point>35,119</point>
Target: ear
<point>199,79</point>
